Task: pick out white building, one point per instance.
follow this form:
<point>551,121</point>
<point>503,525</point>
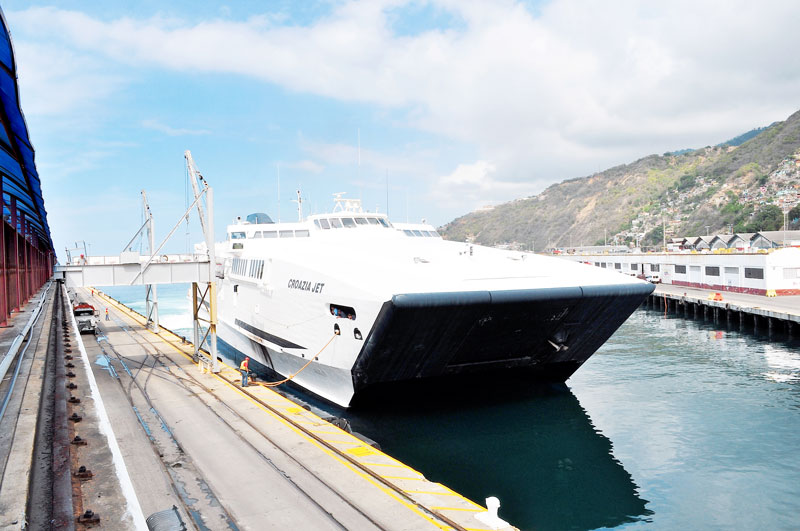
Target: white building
<point>754,273</point>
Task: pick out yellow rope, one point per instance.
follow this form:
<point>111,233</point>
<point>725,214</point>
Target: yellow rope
<point>275,384</point>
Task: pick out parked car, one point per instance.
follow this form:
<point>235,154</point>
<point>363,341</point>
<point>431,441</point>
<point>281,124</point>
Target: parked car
<point>655,278</point>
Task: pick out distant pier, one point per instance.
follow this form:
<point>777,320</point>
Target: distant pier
<point>748,312</point>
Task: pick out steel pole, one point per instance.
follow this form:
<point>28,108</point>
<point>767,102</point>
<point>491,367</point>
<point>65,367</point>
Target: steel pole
<point>212,285</point>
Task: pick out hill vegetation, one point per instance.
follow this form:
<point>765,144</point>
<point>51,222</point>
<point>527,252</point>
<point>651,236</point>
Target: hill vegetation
<point>730,187</point>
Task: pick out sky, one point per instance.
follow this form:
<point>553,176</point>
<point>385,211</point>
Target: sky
<point>441,106</point>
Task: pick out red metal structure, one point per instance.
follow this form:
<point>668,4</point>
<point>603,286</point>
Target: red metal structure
<point>27,256</point>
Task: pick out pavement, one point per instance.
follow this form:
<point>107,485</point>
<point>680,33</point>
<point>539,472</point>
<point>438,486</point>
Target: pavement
<point>227,457</point>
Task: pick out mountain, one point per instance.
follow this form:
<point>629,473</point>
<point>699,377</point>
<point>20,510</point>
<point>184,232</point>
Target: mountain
<point>712,189</point>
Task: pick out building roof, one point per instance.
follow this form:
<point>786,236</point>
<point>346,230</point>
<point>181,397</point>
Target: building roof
<point>20,179</point>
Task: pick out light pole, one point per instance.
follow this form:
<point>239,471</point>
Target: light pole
<point>785,216</point>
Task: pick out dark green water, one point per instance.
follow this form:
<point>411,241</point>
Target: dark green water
<point>672,424</point>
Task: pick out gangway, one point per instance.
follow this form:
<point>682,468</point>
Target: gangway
<point>130,268</point>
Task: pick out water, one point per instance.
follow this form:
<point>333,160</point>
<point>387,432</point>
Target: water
<point>671,424</point>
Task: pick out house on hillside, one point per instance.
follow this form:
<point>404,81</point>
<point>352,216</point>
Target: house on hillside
<point>741,241</point>
<point>720,241</point>
<point>676,244</point>
<point>698,243</point>
<point>772,239</point>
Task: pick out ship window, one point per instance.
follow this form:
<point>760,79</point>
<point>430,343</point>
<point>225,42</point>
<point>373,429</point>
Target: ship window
<point>435,234</point>
<point>361,221</point>
<point>316,222</point>
<point>373,221</point>
<point>287,234</point>
<point>383,222</point>
<point>408,232</point>
<point>237,236</point>
<point>261,269</point>
<point>324,224</point>
<point>251,268</point>
<point>336,223</point>
<point>301,234</point>
<point>348,222</point>
<point>343,312</point>
<point>238,246</point>
<point>270,234</point>
<point>257,234</point>
<point>417,233</point>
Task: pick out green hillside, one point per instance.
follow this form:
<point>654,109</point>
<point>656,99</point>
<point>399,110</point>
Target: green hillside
<point>713,189</point>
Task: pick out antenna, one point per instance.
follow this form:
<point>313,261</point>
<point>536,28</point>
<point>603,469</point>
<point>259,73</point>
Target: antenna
<point>387,192</point>
<point>299,202</point>
<point>278,166</point>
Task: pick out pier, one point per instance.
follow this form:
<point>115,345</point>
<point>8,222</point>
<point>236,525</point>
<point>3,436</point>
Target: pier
<point>746,311</point>
<point>125,431</point>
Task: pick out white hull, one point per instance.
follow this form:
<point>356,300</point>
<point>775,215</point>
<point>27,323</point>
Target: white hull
<point>408,306</point>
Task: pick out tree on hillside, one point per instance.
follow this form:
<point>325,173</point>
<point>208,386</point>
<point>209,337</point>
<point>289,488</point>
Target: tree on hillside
<point>654,238</point>
<point>793,218</point>
<point>768,218</point>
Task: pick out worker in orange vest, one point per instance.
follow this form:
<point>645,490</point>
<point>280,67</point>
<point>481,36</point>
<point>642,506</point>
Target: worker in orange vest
<point>244,368</point>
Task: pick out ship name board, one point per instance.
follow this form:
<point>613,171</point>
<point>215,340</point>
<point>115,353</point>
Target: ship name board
<point>306,285</point>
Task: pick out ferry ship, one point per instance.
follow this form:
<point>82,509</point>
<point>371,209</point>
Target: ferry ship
<point>343,302</point>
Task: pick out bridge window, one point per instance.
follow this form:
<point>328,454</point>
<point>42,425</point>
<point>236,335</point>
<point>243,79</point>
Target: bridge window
<point>257,234</point>
<point>336,223</point>
<point>348,223</point>
<point>287,234</point>
<point>408,232</point>
<point>373,221</point>
<point>237,236</point>
<point>301,234</point>
<point>270,234</point>
<point>323,224</point>
<point>384,222</point>
<point>361,221</point>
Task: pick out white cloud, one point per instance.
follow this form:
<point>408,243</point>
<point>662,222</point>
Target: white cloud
<point>476,185</point>
<point>172,131</point>
<point>574,88</point>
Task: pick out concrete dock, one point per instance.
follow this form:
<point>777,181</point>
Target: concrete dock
<point>157,436</point>
<point>755,312</point>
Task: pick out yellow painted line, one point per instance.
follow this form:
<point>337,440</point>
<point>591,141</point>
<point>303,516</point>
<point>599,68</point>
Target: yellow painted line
<point>433,493</point>
<point>403,477</point>
<point>362,451</point>
<point>455,509</point>
<point>383,464</point>
<point>388,491</point>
